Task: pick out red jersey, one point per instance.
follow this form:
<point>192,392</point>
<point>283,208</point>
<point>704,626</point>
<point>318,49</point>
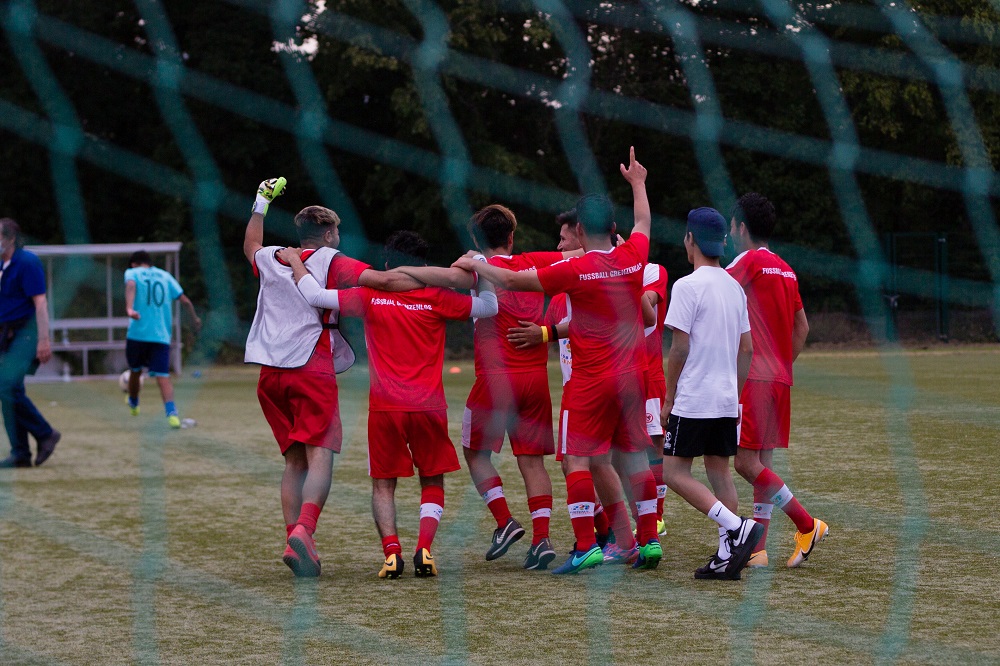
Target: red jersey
<point>603,289</point>
<point>654,278</point>
<point>494,353</point>
<point>772,299</point>
<point>404,333</point>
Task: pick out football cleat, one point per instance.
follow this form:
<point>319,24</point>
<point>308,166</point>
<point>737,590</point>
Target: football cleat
<point>615,555</point>
<point>307,564</point>
<point>290,558</point>
<point>540,555</point>
<point>392,568</point>
<point>134,411</point>
<point>757,560</point>
<point>580,560</point>
<point>603,539</point>
<point>423,564</point>
<point>174,421</point>
<point>804,543</point>
<point>649,555</point>
<point>661,528</point>
<point>716,569</point>
<point>741,543</point>
<point>503,538</point>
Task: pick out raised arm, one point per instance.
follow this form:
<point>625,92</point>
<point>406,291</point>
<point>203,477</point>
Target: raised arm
<point>509,280</point>
<point>267,192</point>
<point>680,347</point>
<point>635,174</point>
<point>800,331</point>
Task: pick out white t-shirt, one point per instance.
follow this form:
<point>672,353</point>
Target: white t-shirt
<point>711,307</point>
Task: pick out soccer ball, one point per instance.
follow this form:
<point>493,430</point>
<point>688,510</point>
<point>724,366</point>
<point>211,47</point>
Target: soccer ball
<point>123,380</point>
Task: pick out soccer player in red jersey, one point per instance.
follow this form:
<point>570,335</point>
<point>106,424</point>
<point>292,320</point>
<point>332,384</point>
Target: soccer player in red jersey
<point>779,327</point>
<point>654,312</point>
<point>408,418</point>
<point>602,405</point>
<point>511,392</point>
<point>296,350</point>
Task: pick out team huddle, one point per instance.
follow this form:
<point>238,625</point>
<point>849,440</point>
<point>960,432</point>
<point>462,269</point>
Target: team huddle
<point>627,430</point>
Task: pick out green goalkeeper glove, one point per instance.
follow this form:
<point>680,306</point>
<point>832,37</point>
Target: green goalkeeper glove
<point>268,191</point>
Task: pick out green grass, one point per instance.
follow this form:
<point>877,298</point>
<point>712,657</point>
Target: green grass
<point>137,544</point>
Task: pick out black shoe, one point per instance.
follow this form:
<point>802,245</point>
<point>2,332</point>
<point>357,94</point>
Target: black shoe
<point>46,447</point>
<point>13,461</point>
<point>741,543</point>
<point>540,555</point>
<point>503,537</point>
<point>716,569</point>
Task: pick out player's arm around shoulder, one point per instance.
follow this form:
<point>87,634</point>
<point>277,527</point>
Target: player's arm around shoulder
<point>508,279</point>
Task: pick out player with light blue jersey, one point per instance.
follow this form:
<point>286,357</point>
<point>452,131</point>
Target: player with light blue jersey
<point>150,293</point>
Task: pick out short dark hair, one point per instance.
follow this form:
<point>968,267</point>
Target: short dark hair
<point>313,221</point>
<point>11,229</point>
<point>491,226</point>
<point>566,217</point>
<point>405,248</point>
<point>596,214</point>
<point>757,213</point>
<point>140,258</point>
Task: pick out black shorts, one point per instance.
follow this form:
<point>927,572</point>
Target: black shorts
<point>690,438</point>
<point>152,355</point>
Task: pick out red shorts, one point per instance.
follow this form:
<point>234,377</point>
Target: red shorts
<point>603,412</point>
<point>656,391</point>
<point>767,415</point>
<point>300,404</point>
<point>517,404</point>
<point>430,449</point>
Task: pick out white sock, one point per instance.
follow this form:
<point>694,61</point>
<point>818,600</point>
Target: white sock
<point>724,517</point>
<point>724,553</point>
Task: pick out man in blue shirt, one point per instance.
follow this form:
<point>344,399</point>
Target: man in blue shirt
<point>150,293</point>
<point>24,342</point>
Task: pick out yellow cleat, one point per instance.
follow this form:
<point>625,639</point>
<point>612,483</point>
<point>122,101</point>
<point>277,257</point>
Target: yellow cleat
<point>174,421</point>
<point>804,543</point>
<point>392,568</point>
<point>757,560</point>
<point>661,528</point>
<point>423,564</point>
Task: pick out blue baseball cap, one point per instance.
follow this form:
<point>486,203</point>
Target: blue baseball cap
<point>709,230</point>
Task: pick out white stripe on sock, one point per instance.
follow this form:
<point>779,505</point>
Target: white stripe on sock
<point>782,497</point>
<point>762,510</point>
<point>541,513</point>
<point>430,510</point>
<point>646,506</point>
<point>580,510</point>
<point>493,494</point>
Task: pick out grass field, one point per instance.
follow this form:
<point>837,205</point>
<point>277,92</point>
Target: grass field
<point>136,544</point>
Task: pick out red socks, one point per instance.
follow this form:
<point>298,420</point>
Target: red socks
<point>492,493</point>
<point>541,510</point>
<point>580,497</point>
<point>601,523</point>
<point>644,495</point>
<point>308,516</point>
<point>431,508</point>
<point>390,545</point>
<point>777,493</point>
<point>661,488</point>
<point>618,517</point>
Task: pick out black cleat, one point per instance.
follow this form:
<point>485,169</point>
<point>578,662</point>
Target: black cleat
<point>540,555</point>
<point>503,538</point>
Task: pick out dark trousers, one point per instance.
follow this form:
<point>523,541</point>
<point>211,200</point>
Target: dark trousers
<point>20,416</point>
